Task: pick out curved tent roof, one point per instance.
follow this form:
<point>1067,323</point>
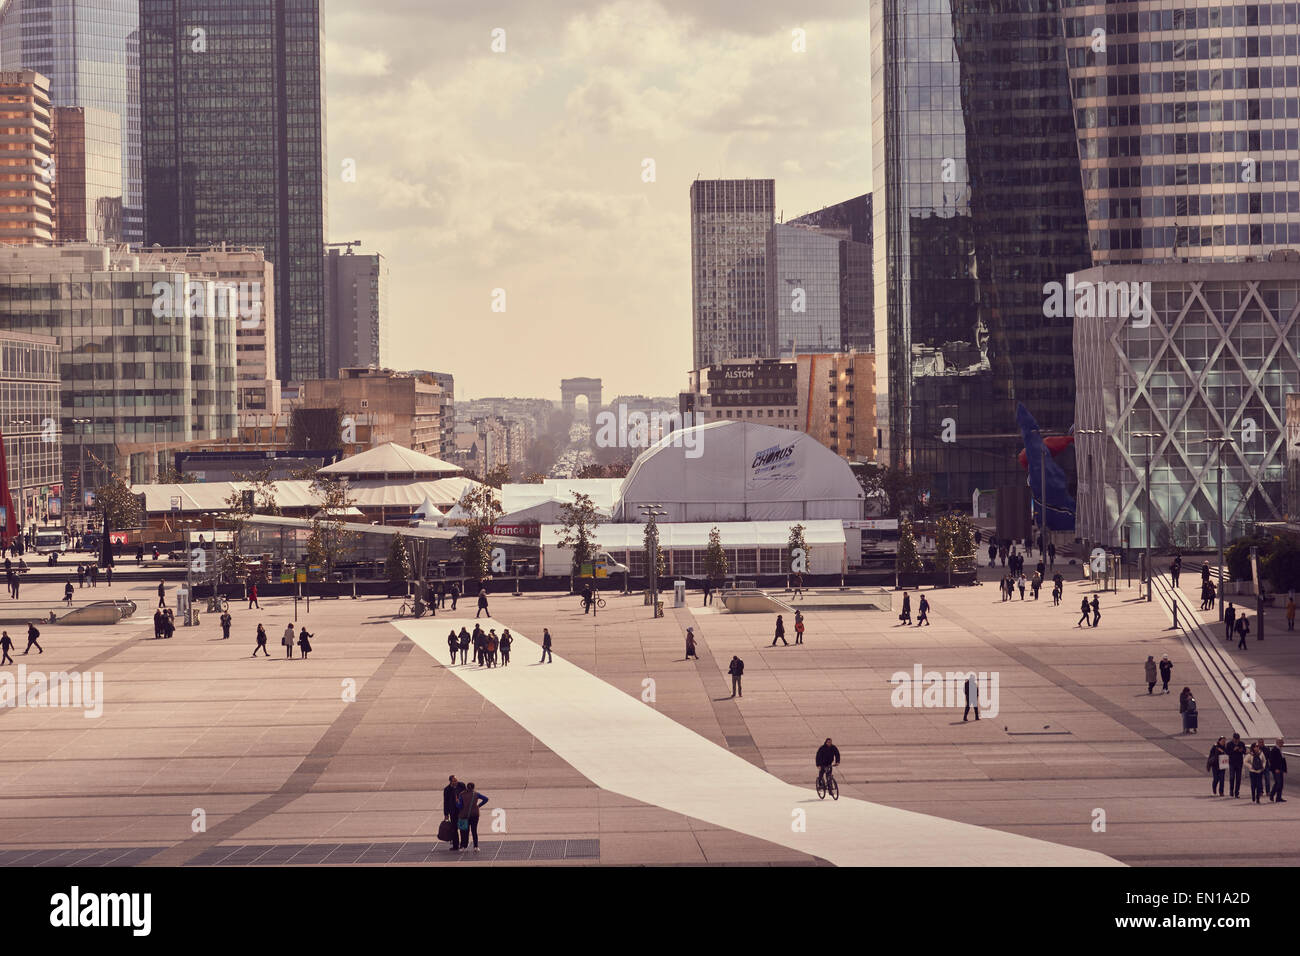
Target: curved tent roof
<point>740,471</point>
<point>391,460</point>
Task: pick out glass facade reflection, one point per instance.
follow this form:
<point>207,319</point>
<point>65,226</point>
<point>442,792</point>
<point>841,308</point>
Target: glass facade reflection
<point>803,294</point>
<point>853,218</point>
<point>87,155</point>
<point>87,49</point>
<point>233,148</point>
<point>1189,127</point>
<point>977,205</point>
<point>29,419</point>
<point>730,220</point>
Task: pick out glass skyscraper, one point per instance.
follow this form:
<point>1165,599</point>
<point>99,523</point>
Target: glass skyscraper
<point>87,49</point>
<point>1189,127</point>
<point>852,219</point>
<point>977,204</point>
<point>232,125</point>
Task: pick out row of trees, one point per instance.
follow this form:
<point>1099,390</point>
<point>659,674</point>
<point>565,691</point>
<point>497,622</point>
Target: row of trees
<point>1279,559</point>
<point>954,540</point>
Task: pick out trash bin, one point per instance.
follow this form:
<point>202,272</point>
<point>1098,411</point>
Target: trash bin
<point>679,594</point>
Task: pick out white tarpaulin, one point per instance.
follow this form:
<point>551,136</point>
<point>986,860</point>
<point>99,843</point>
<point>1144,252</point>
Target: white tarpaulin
<point>741,471</point>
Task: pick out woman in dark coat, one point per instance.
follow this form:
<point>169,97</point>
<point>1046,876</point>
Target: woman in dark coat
<point>304,642</point>
<point>453,643</point>
<point>780,632</point>
<point>690,644</point>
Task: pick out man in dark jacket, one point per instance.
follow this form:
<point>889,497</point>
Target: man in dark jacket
<point>482,603</point>
<point>464,643</point>
<point>736,669</point>
<point>1277,767</point>
<point>450,794</point>
<point>1230,621</point>
<point>1236,757</point>
<point>827,754</point>
<point>1219,749</point>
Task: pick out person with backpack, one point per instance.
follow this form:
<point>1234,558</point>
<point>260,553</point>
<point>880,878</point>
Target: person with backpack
<point>737,670</point>
<point>32,635</point>
<point>468,804</point>
<point>225,625</point>
<point>780,632</point>
<point>261,642</point>
<point>690,644</point>
<point>1217,764</point>
<point>504,646</point>
<point>6,642</point>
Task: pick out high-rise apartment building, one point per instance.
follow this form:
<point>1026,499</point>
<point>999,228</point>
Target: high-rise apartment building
<point>1189,127</point>
<point>232,121</point>
<point>88,175</point>
<point>730,221</point>
<point>977,203</point>
<point>89,50</point>
<point>26,158</point>
<point>358,303</point>
<point>29,421</point>
<point>837,402</point>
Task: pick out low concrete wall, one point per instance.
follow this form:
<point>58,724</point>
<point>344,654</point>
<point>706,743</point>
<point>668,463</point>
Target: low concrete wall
<point>753,601</point>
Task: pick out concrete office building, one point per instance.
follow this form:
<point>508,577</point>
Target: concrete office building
<point>26,158</point>
<point>837,402</point>
<point>383,406</point>
<point>761,390</point>
<point>262,186</point>
<point>1188,127</point>
<point>138,372</point>
<point>89,50</point>
<point>249,276</point>
<point>29,421</point>
<point>358,303</point>
<point>1215,356</point>
<point>88,175</point>
<point>852,219</point>
<point>730,221</point>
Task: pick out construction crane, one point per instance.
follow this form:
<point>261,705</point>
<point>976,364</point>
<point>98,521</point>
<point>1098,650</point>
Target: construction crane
<point>354,242</point>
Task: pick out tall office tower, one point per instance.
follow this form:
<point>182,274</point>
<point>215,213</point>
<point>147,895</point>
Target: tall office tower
<point>803,289</point>
<point>26,159</point>
<point>88,163</point>
<point>977,205</point>
<point>730,220</point>
<point>1188,127</point>
<point>857,319</point>
<point>87,48</point>
<point>358,313</point>
<point>232,119</point>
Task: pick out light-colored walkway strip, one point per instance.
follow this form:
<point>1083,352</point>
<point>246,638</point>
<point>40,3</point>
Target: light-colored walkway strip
<point>1234,692</point>
<point>627,747</point>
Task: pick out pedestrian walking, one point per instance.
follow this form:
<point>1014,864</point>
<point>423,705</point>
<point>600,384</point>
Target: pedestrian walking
<point>1243,630</point>
<point>1036,583</point>
<point>287,640</point>
<point>1085,615</point>
<point>162,594</point>
<point>504,644</point>
<point>1229,621</point>
<point>480,645</point>
<point>6,644</point>
<point>252,598</point>
<point>1176,569</point>
<point>1051,554</point>
<point>1256,763</point>
<point>304,643</point>
<point>1236,758</point>
<point>708,593</point>
<point>586,598</point>
<point>453,643</point>
<point>450,796</point>
<point>922,612</point>
<point>1096,611</point>
<point>108,576</point>
<point>1290,614</point>
<point>1150,668</point>
<point>492,648</point>
<point>1217,764</point>
<point>81,575</point>
<point>1166,669</point>
<point>93,574</point>
<point>225,625</point>
<point>798,626</point>
<point>690,644</point>
<point>1020,585</point>
<point>482,603</point>
<point>546,647</point>
<point>32,635</point>
<point>455,594</point>
<point>798,587</point>
<point>780,632</point>
<point>906,616</point>
<point>464,644</point>
<point>261,642</point>
<point>139,555</point>
<point>972,697</point>
<point>737,670</point>
<point>468,804</point>
<point>993,554</point>
<point>1187,707</point>
<point>1277,769</point>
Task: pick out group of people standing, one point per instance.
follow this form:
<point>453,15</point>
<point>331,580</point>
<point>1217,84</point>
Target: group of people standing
<point>90,572</point>
<point>460,813</point>
<point>303,640</point>
<point>13,575</point>
<point>1267,767</point>
<point>487,646</point>
<point>164,622</point>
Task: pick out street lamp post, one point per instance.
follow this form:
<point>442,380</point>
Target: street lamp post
<point>1147,489</point>
<point>651,512</point>
<point>1218,443</point>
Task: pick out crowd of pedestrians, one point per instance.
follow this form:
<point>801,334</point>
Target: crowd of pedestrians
<point>1266,766</point>
<point>490,649</point>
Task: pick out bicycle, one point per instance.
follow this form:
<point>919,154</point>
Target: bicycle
<point>596,599</point>
<point>415,608</point>
<point>826,784</point>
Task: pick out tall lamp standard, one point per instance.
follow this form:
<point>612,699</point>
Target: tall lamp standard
<point>1218,444</point>
<point>1102,483</point>
<point>651,512</point>
<point>81,462</point>
<point>1147,489</point>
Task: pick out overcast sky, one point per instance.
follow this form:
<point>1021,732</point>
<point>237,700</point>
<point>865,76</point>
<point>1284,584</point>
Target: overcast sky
<point>522,170</point>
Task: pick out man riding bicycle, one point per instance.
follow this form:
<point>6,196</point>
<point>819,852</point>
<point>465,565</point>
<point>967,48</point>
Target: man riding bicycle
<point>827,754</point>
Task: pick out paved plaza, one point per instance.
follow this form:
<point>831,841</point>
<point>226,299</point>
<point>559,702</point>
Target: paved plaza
<point>622,752</point>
